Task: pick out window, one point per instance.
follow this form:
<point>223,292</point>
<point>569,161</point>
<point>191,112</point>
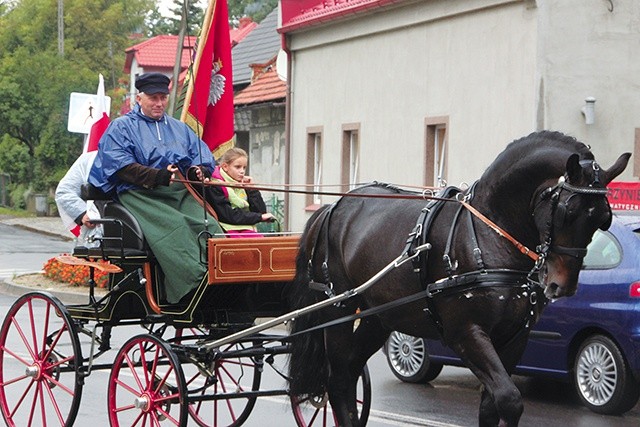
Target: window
<point>350,155</point>
<point>603,252</point>
<point>436,151</point>
<point>314,164</point>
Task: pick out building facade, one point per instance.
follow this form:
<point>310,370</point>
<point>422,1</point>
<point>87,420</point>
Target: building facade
<point>422,92</point>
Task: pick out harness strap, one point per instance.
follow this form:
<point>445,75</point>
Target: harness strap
<point>449,266</point>
<point>477,279</point>
<point>477,253</point>
<point>522,248</point>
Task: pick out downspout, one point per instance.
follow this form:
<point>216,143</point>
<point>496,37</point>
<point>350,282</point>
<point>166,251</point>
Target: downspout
<point>287,130</point>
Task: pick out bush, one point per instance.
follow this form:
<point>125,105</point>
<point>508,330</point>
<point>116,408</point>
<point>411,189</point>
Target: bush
<point>76,275</point>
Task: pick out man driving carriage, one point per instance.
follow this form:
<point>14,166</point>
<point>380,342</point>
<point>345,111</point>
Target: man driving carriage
<point>137,157</point>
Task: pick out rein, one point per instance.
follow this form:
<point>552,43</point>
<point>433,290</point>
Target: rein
<point>502,233</point>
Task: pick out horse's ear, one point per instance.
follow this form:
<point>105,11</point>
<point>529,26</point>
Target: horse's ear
<point>574,171</point>
<point>617,168</point>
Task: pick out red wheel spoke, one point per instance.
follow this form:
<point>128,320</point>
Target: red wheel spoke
<point>45,332</point>
<point>58,383</point>
<point>124,408</point>
<point>24,339</point>
<point>15,380</point>
<point>24,395</point>
<point>55,341</point>
<point>167,415</point>
<point>17,357</point>
<point>128,387</point>
<point>230,376</point>
<point>143,362</point>
<point>54,402</point>
<point>132,368</point>
<point>33,326</point>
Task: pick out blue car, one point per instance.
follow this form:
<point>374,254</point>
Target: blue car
<point>591,338</point>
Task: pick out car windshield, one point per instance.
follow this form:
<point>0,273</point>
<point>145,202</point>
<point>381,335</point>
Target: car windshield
<point>603,252</point>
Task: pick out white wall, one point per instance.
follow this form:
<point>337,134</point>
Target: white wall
<point>497,69</point>
<point>390,71</point>
<point>589,51</point>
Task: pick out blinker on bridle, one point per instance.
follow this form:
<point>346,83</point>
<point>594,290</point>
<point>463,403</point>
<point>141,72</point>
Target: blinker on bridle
<point>559,209</point>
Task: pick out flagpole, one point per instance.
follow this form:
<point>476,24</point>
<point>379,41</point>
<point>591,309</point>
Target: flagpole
<point>177,66</point>
<point>206,27</point>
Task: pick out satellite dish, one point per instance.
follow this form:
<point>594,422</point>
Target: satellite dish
<point>282,64</point>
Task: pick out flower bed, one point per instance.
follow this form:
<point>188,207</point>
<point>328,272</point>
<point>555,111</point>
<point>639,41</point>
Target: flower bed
<point>76,275</point>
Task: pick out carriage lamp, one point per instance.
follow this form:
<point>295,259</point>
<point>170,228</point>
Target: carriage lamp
<point>589,110</point>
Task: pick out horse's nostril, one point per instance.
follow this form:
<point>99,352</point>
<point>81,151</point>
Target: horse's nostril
<point>551,291</point>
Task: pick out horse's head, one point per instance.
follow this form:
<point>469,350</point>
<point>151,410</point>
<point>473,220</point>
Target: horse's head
<point>567,215</point>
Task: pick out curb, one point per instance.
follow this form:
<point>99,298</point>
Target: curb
<point>8,287</point>
<point>41,231</point>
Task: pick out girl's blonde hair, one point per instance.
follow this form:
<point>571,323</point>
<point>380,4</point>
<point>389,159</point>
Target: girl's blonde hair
<point>231,154</point>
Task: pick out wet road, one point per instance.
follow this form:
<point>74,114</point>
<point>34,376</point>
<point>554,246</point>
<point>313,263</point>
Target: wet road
<point>23,251</point>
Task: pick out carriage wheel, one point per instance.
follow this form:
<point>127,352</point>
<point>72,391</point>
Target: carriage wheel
<point>146,385</point>
<point>315,411</point>
<point>230,375</point>
<point>40,363</point>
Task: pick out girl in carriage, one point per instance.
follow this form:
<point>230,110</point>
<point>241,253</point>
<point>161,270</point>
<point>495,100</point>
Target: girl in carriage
<point>239,207</point>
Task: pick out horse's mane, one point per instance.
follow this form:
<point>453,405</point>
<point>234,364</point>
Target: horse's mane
<point>533,158</point>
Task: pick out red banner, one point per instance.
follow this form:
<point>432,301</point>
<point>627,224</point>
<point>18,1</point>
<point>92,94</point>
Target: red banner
<point>209,102</point>
<point>624,195</point>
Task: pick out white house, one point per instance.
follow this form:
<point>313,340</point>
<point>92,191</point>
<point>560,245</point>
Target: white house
<point>417,91</point>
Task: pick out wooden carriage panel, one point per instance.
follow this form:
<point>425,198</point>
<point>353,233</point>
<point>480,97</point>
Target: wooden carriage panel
<point>251,260</point>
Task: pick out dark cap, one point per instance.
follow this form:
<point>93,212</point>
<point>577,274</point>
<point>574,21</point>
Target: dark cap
<point>151,83</point>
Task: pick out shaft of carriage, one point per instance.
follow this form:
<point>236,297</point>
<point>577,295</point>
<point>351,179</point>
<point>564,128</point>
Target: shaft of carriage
<point>292,315</point>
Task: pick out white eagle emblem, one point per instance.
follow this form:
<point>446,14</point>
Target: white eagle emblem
<point>217,83</point>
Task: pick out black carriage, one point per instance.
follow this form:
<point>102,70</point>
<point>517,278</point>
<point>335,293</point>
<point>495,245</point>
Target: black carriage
<point>166,373</point>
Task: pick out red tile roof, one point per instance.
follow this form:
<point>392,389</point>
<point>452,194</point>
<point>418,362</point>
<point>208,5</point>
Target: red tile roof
<point>159,52</point>
<point>304,13</point>
<point>237,34</point>
<point>265,85</point>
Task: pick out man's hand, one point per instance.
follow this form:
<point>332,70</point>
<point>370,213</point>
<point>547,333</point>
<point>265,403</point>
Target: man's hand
<point>200,174</point>
<point>86,221</point>
<point>268,217</point>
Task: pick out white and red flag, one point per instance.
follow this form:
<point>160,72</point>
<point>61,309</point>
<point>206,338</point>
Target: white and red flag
<point>102,119</point>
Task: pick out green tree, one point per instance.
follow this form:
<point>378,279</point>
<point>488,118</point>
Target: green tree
<point>36,81</point>
<point>255,9</point>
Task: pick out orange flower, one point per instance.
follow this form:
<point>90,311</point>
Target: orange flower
<point>77,275</point>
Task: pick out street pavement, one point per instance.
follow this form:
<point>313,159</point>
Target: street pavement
<point>46,224</point>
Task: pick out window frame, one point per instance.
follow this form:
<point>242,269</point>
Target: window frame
<point>314,166</point>
<point>350,167</point>
<point>436,142</point>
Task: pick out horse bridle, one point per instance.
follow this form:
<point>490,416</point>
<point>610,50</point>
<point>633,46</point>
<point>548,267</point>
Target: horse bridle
<point>559,210</point>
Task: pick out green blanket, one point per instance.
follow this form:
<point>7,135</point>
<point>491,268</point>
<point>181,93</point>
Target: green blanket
<point>171,220</point>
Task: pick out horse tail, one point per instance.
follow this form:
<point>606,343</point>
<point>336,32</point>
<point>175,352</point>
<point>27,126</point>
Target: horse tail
<point>308,365</point>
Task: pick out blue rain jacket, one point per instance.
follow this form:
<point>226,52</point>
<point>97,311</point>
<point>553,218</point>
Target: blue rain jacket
<point>136,138</point>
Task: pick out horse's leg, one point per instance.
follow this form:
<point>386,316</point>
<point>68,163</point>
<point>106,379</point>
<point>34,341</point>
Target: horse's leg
<point>348,352</point>
<point>501,402</point>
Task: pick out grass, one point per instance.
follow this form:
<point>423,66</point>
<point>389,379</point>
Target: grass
<point>15,212</point>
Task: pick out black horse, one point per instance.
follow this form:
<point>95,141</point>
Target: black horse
<point>545,191</point>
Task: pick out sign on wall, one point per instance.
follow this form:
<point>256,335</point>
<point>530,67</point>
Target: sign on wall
<point>624,195</point>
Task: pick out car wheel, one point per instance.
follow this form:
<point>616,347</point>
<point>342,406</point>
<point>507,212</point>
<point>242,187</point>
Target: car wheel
<point>602,378</point>
<point>408,359</point>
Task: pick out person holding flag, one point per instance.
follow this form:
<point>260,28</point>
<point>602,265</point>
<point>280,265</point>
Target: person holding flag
<point>76,214</point>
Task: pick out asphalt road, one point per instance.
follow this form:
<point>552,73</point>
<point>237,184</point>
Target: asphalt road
<point>450,400</point>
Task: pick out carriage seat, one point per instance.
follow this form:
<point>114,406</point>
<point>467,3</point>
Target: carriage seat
<point>122,235</point>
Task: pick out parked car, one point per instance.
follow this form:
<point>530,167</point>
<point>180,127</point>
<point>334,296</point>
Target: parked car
<point>591,338</point>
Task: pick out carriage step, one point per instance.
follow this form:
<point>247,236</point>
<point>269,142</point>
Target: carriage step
<point>105,267</point>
